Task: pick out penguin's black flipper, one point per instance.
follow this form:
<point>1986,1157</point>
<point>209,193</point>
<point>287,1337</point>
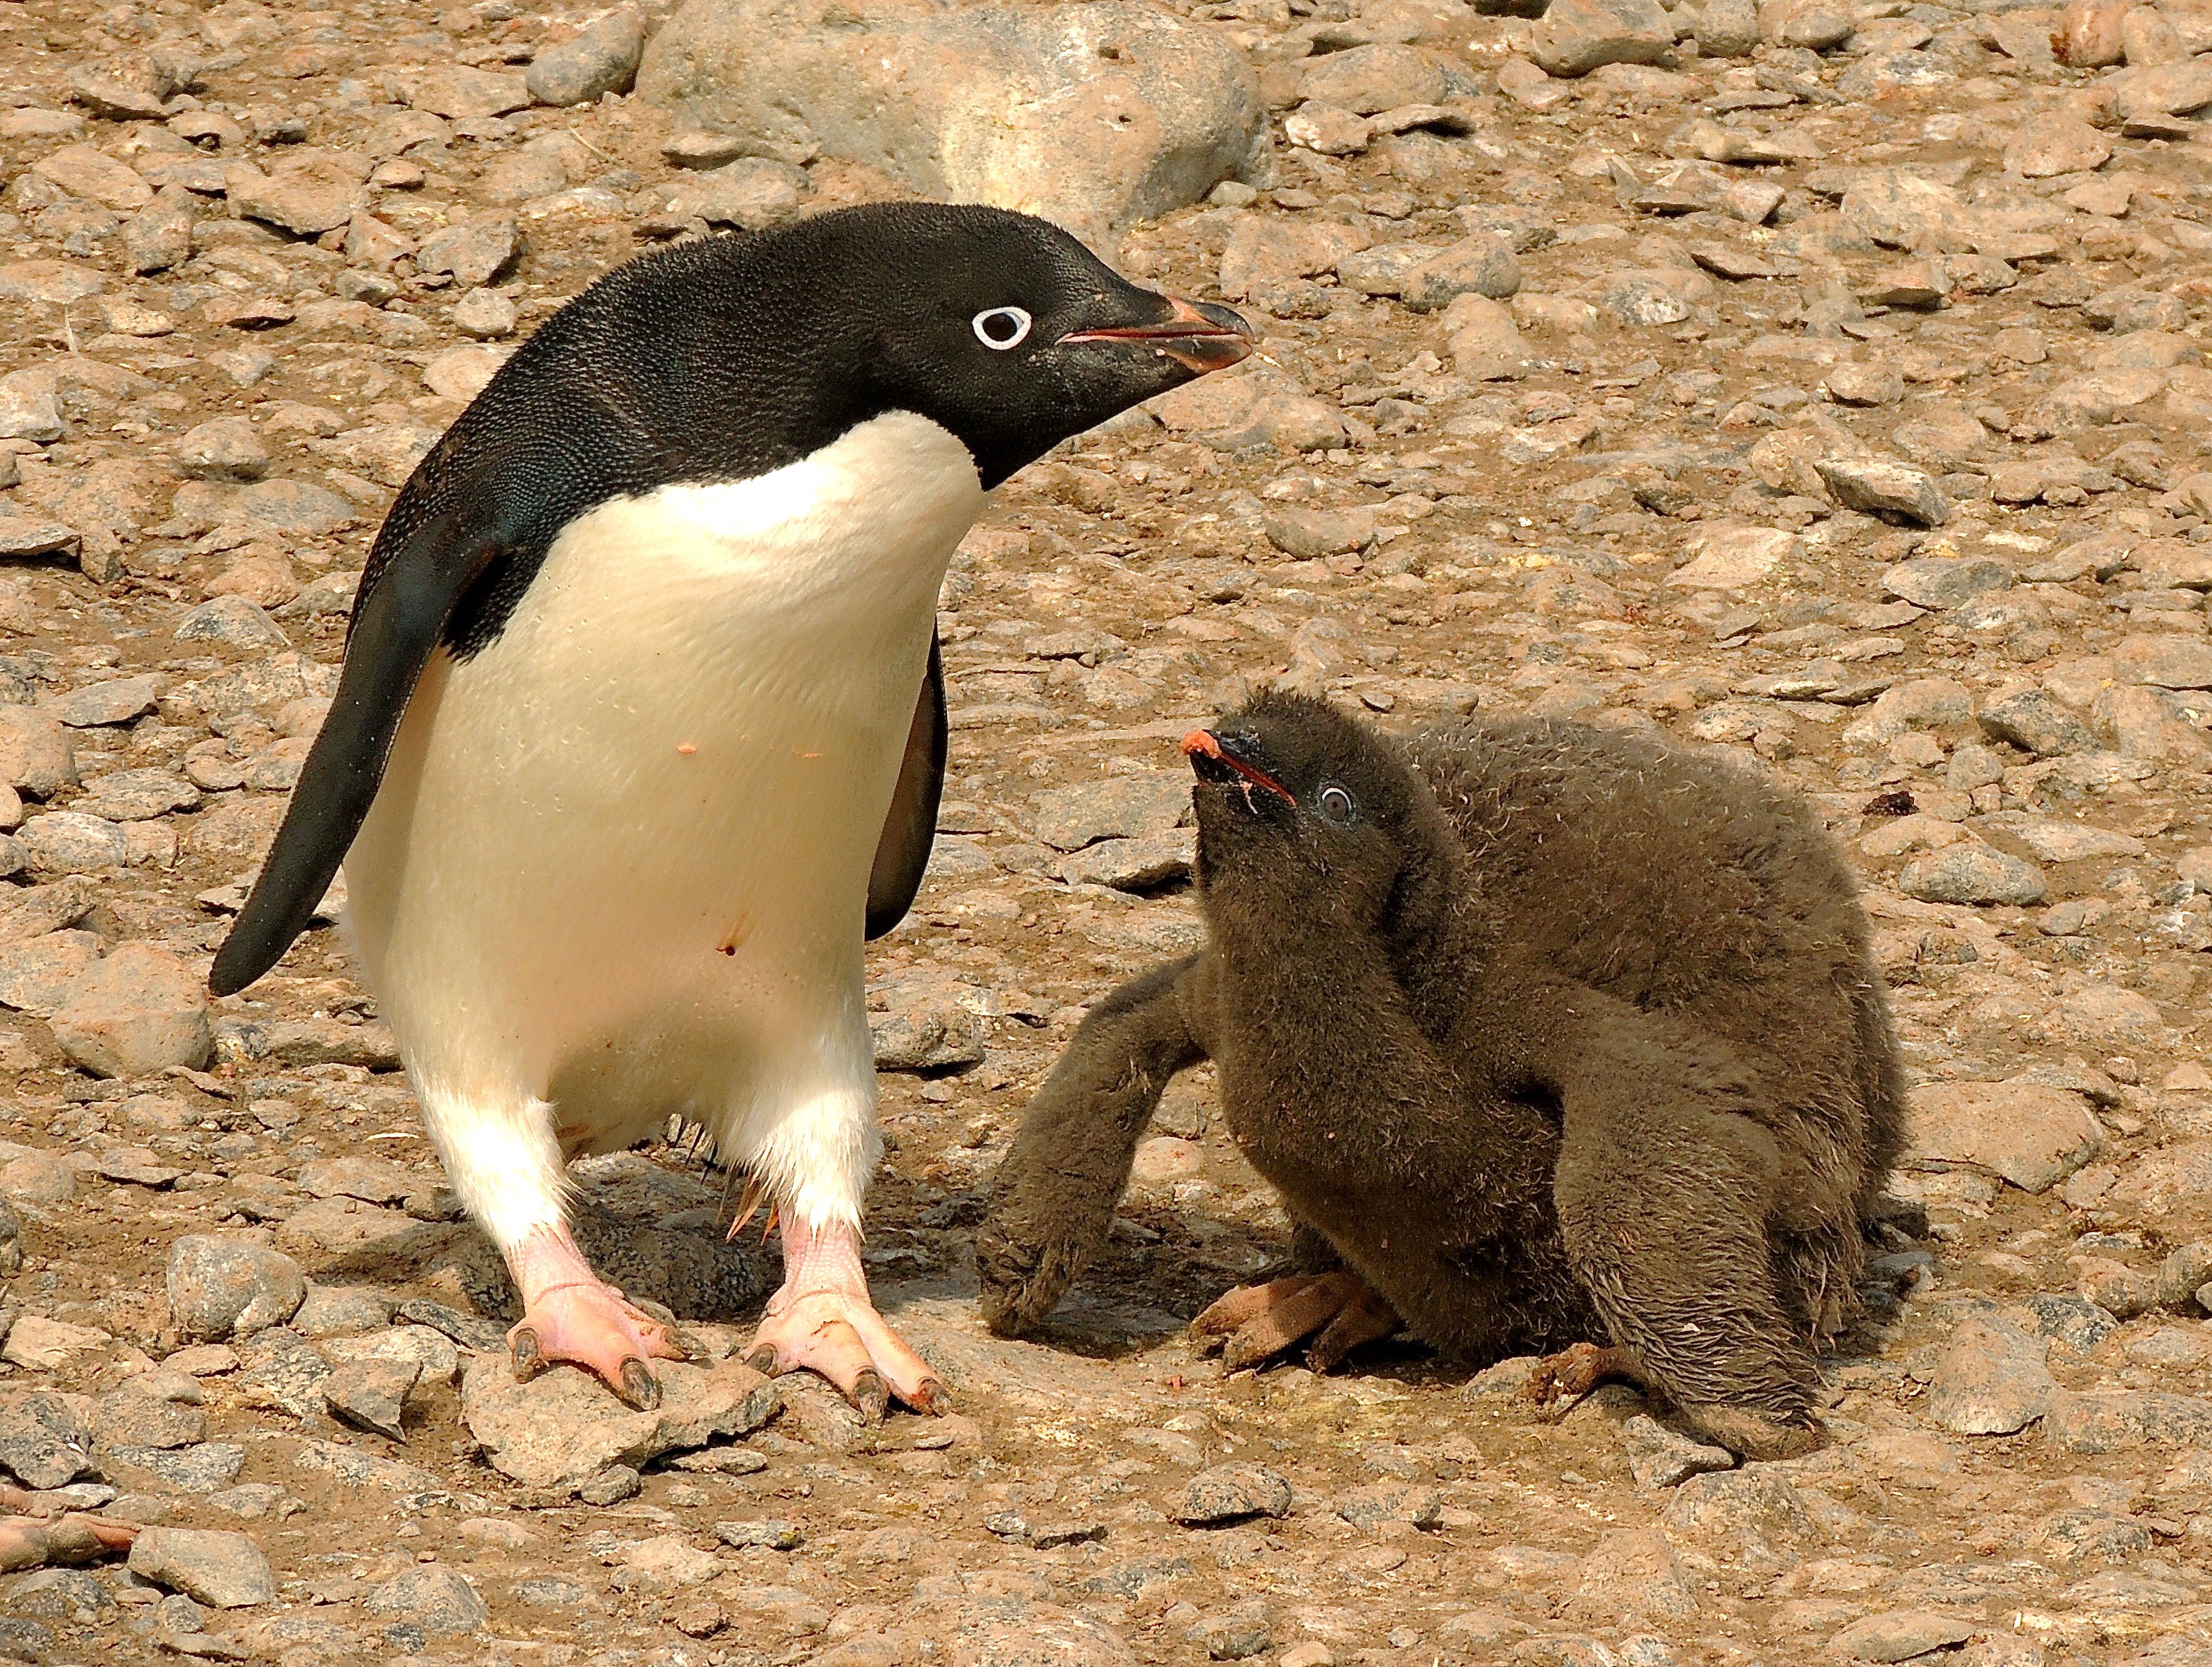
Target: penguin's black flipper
<point>903,851</point>
<point>404,606</point>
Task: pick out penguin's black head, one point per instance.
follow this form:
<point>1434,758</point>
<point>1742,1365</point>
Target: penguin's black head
<point>746,353</point>
<point>1304,811</point>
<point>1004,330</point>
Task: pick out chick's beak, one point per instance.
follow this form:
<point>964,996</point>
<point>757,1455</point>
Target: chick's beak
<point>1200,336</point>
<point>1216,759</point>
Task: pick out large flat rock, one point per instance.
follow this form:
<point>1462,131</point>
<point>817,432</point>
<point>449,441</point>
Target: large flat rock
<point>564,1426</point>
<point>2031,1136</point>
<point>1094,116</point>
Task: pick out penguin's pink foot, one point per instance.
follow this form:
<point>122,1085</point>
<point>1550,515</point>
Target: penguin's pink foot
<point>1256,1321</point>
<point>1577,1370</point>
<point>569,1314</point>
<point>822,1321</point>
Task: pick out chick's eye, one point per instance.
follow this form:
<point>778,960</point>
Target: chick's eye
<point>999,328</point>
<point>1336,804</point>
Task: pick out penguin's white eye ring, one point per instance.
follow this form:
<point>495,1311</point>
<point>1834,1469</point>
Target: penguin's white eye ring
<point>1336,804</point>
<point>1001,328</point>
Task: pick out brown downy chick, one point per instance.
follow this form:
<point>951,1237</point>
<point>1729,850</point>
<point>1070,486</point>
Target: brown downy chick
<point>1549,1035</point>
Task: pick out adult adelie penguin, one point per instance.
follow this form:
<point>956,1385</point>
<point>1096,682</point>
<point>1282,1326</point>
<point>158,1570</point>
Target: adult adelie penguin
<point>641,729</point>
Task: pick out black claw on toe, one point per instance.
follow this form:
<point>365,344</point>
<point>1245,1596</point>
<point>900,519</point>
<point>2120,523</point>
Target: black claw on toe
<point>639,1388</point>
<point>871,1396</point>
<point>526,1360</point>
<point>763,1360</point>
<point>932,1398</point>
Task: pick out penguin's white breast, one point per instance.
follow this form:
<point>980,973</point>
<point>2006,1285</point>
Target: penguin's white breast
<point>661,786</point>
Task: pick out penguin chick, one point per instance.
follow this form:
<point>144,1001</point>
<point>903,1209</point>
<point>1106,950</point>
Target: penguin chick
<point>642,725</point>
<point>1546,1035</point>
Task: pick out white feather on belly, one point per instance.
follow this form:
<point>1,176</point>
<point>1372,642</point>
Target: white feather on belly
<point>618,862</point>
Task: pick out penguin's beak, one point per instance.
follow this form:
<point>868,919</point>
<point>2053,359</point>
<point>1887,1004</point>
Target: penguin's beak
<point>1200,336</point>
<point>1224,760</point>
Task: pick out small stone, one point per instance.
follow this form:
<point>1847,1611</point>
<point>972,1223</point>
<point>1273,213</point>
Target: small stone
<point>1306,535</point>
<point>45,1439</point>
<point>1633,1573</point>
<point>1577,36</point>
<point>475,251</point>
<point>87,171</point>
<point>1880,486</point>
<point>223,1570</point>
<point>1735,557</point>
<point>602,59</point>
<point>773,1534</point>
<point>703,148</point>
<point>1326,128</point>
<point>371,1393</point>
<point>160,235</point>
<point>2115,1421</point>
<point>232,622</point>
<point>461,372</point>
<point>1123,807</point>
<point>1378,1502</point>
<point>110,700</point>
<point>1990,1379</point>
<point>1728,28</point>
<point>1231,1492</point>
<point>22,536</point>
<point>752,192</point>
<point>307,195</point>
<point>923,1025</point>
<point>1142,864</point>
<point>1939,581</point>
<point>563,1428</point>
<point>37,757</point>
<point>223,448</point>
<point>221,1287</point>
<point>1661,1458</point>
<point>2051,145</point>
<point>1900,1635</point>
<point>2029,718</point>
<point>2164,662</point>
<point>611,1486</point>
<point>136,1166</point>
<point>1865,385</point>
<point>438,1599</point>
<point>1479,265</point>
<point>207,1468</point>
<point>484,314</point>
<point>134,1013</point>
<point>55,282</point>
<point>1367,79</point>
<point>461,93</point>
<point>1238,1635</point>
<point>35,974</point>
<point>30,409</point>
<point>1973,873</point>
<point>72,842</point>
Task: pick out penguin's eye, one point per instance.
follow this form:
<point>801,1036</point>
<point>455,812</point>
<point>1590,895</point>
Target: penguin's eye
<point>1336,805</point>
<point>999,328</point>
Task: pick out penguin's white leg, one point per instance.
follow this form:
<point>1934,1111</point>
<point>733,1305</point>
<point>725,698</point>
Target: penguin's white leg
<point>814,1156</point>
<point>505,1161</point>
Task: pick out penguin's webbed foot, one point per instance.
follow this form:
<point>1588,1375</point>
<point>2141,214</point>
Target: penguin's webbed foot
<point>823,1320</point>
<point>1339,1311</point>
<point>569,1314</point>
<point>1577,1369</point>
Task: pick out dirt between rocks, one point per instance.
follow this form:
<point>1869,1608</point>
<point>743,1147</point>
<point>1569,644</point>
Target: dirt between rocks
<point>1821,382</point>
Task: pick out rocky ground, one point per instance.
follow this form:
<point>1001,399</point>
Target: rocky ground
<point>1823,383</point>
